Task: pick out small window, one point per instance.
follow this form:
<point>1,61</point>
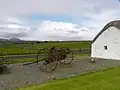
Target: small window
<point>105,47</point>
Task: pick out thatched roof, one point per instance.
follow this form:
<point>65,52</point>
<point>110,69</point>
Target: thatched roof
<point>115,23</point>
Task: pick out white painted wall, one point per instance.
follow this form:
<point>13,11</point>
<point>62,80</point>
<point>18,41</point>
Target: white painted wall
<point>111,39</point>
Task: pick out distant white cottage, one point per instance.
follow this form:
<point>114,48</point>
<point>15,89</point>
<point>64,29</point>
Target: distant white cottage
<point>106,44</point>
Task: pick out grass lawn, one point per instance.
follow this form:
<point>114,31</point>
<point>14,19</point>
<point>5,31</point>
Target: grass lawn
<point>77,55</point>
<point>21,49</point>
<point>108,79</point>
<point>23,60</point>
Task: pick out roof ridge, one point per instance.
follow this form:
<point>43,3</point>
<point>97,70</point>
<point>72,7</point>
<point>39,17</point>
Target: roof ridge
<point>115,23</point>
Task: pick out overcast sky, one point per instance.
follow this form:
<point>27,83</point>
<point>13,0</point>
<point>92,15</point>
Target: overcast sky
<point>56,19</point>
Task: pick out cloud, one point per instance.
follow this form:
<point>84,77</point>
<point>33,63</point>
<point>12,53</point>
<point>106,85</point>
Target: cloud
<point>37,6</point>
<point>46,30</point>
<point>13,35</point>
<point>87,18</point>
<point>52,7</point>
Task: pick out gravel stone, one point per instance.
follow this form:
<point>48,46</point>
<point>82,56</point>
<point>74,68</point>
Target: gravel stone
<point>20,76</point>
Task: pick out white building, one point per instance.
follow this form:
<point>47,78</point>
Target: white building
<point>106,44</point>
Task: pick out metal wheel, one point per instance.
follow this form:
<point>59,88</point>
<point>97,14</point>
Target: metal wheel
<point>69,56</point>
<point>46,61</point>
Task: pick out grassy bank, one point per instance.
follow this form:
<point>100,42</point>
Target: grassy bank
<point>108,79</point>
<point>24,60</point>
<point>33,48</point>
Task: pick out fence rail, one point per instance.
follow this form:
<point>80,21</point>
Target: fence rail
<point>3,52</point>
<point>34,56</point>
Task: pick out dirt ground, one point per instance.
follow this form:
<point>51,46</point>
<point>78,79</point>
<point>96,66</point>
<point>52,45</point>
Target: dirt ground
<point>20,75</point>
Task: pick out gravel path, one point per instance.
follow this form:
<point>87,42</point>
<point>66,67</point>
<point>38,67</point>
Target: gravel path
<point>31,74</point>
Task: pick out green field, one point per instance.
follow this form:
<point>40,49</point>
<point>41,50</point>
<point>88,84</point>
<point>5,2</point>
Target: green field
<point>33,48</point>
<point>108,79</point>
<point>25,60</point>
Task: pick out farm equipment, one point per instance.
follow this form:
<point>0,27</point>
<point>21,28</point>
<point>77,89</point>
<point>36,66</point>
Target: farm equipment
<point>48,59</point>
